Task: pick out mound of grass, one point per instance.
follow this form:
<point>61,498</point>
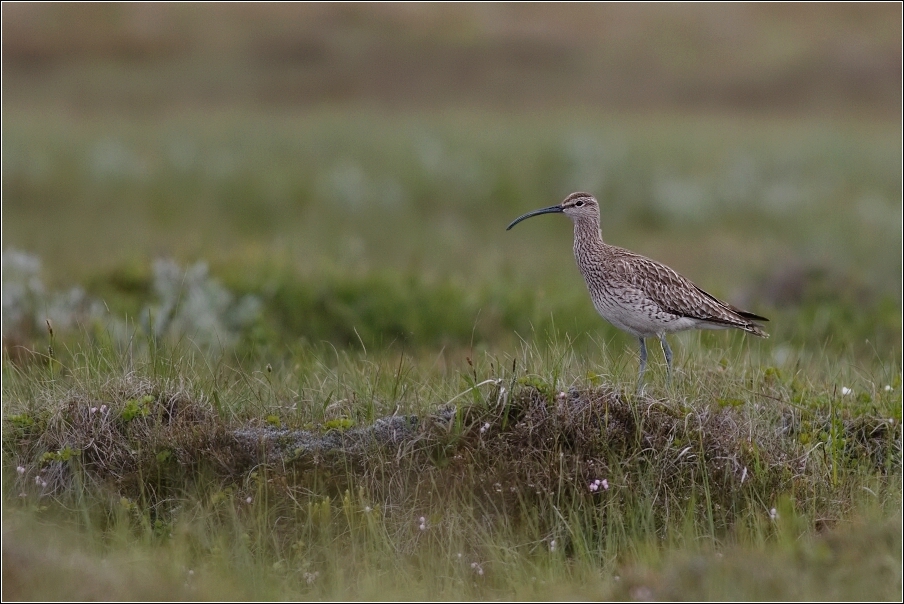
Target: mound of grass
<point>520,446</point>
<point>316,480</point>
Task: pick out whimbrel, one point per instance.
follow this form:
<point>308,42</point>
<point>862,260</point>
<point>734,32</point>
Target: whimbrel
<point>638,295</point>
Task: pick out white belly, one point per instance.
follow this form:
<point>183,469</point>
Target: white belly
<point>642,317</point>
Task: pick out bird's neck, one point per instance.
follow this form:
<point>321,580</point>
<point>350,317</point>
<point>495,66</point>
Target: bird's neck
<point>587,234</point>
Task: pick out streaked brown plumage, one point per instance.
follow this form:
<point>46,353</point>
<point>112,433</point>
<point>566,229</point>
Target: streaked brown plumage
<point>639,295</point>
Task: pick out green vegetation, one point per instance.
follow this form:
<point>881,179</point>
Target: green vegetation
<point>266,340</point>
<point>307,214</point>
<point>366,476</point>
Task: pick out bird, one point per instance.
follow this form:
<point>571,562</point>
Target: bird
<point>636,294</point>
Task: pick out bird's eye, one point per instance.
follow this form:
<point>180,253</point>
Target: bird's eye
<point>579,203</point>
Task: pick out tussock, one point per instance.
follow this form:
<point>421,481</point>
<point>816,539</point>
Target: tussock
<point>137,435</point>
<point>133,433</point>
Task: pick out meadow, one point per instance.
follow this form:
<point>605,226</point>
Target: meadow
<point>278,352</point>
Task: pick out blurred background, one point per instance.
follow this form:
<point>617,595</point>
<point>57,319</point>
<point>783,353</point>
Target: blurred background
<point>345,172</point>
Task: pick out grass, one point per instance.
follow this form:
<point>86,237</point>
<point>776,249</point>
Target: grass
<point>305,490</point>
<point>819,211</point>
<point>291,353</point>
<point>294,454</point>
<point>266,186</point>
<point>255,457</point>
<point>824,59</point>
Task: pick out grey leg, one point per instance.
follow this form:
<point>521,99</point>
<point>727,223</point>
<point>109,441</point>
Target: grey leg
<point>643,363</point>
<point>668,355</point>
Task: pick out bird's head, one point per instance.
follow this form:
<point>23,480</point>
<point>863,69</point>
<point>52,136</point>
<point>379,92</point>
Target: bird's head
<point>579,207</point>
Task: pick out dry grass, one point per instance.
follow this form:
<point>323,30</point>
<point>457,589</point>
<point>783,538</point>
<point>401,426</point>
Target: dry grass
<point>490,496</point>
<point>518,448</point>
<point>827,58</point>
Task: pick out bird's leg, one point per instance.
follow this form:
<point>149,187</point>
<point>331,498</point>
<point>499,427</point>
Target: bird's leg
<point>643,363</point>
<point>668,356</point>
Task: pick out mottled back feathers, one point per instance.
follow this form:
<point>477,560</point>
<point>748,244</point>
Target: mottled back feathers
<point>673,292</point>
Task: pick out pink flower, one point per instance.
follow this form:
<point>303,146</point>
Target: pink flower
<point>597,484</point>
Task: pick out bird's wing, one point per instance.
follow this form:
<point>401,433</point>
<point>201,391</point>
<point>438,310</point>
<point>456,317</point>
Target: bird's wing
<point>673,292</point>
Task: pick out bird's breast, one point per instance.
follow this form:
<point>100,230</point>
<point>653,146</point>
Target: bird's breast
<point>626,306</point>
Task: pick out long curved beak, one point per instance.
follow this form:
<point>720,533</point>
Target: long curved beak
<point>549,210</point>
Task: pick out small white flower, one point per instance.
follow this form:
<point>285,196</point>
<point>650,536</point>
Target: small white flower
<point>367,509</point>
<point>248,500</point>
<point>845,391</point>
<point>191,572</point>
<point>484,427</point>
<point>552,545</point>
<point>560,396</point>
<point>593,486</point>
<point>103,408</point>
<point>423,523</point>
<point>311,577</point>
<point>93,410</point>
<point>891,421</point>
<point>477,568</point>
<point>887,388</point>
<point>605,484</point>
<point>744,475</point>
<point>459,555</point>
<point>20,470</point>
<point>773,514</point>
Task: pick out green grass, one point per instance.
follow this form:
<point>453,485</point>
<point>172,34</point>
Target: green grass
<point>356,227</point>
<point>331,190</point>
<point>274,483</point>
<point>233,422</point>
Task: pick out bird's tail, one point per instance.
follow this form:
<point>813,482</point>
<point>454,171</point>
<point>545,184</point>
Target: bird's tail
<point>755,330</point>
<point>750,326</point>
